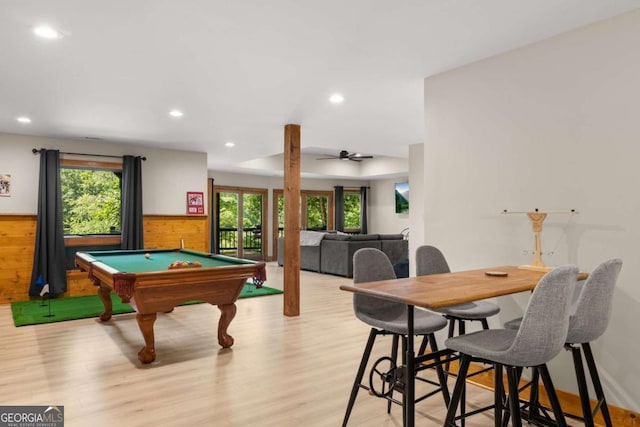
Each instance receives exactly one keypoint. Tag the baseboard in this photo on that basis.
(570, 402)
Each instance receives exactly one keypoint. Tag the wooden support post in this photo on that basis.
(291, 189)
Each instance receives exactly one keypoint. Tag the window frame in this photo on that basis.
(92, 239)
(353, 192)
(275, 193)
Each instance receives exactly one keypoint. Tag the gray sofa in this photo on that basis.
(334, 253)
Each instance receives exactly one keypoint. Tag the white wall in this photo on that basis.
(416, 202)
(167, 175)
(383, 218)
(552, 126)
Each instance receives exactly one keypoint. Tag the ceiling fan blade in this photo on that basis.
(345, 155)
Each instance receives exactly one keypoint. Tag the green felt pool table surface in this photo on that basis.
(160, 259)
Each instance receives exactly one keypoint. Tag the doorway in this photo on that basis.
(239, 220)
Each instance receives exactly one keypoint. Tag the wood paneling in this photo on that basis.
(17, 241)
(164, 231)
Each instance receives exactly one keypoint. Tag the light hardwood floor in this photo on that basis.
(280, 372)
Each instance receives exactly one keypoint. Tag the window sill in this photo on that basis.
(93, 240)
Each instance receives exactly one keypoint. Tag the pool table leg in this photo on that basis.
(145, 322)
(104, 292)
(228, 312)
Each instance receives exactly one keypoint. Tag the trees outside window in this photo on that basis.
(238, 225)
(316, 212)
(91, 199)
(351, 211)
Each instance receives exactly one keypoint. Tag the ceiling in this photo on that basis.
(241, 70)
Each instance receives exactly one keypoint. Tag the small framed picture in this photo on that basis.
(5, 184)
(195, 203)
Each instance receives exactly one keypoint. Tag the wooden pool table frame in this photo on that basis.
(160, 291)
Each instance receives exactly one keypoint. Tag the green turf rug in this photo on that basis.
(71, 308)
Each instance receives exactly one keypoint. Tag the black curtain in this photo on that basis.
(49, 265)
(339, 204)
(363, 211)
(132, 236)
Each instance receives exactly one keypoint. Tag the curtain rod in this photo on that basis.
(36, 151)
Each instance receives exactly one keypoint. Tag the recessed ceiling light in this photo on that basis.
(24, 119)
(47, 32)
(336, 98)
(176, 113)
(229, 144)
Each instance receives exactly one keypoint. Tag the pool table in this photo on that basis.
(143, 279)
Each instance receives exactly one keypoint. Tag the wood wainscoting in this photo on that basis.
(168, 231)
(17, 242)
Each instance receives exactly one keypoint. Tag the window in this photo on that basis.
(316, 212)
(91, 197)
(351, 211)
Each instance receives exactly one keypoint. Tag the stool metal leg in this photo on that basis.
(597, 385)
(514, 400)
(582, 386)
(442, 378)
(457, 391)
(359, 375)
(498, 394)
(394, 356)
(551, 394)
(534, 394)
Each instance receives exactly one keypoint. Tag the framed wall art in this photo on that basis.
(195, 203)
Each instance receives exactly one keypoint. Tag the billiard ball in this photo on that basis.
(147, 256)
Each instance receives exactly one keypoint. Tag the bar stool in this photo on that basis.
(539, 339)
(590, 316)
(430, 260)
(388, 318)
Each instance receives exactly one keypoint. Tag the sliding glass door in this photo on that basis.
(240, 214)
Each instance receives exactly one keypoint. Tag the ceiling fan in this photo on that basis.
(345, 155)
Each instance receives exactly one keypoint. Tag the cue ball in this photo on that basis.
(147, 256)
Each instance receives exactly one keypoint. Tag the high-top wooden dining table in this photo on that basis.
(442, 290)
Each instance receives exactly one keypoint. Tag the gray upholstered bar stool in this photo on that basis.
(388, 318)
(540, 338)
(430, 260)
(590, 314)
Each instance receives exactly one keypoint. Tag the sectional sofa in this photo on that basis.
(332, 253)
